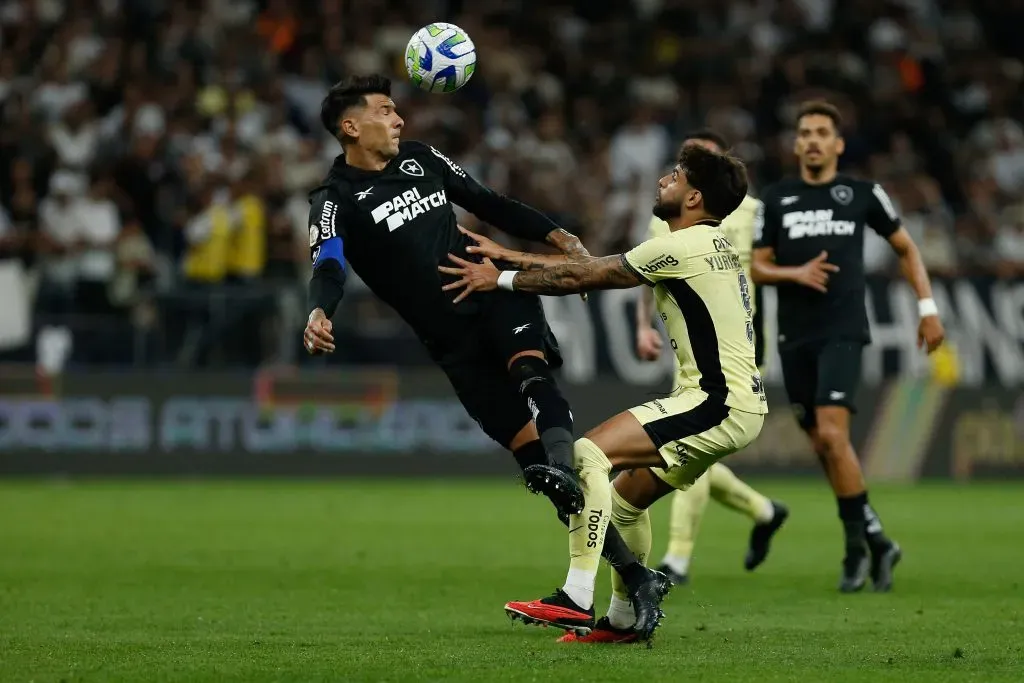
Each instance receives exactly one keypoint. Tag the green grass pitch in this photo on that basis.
(405, 581)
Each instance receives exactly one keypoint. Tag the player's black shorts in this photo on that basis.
(824, 373)
(478, 370)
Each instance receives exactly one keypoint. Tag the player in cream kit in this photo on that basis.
(703, 297)
(719, 483)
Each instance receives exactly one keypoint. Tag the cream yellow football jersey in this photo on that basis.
(704, 297)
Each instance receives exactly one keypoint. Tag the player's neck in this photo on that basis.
(366, 160)
(689, 220)
(818, 176)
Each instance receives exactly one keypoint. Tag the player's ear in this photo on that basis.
(840, 145)
(349, 127)
(693, 199)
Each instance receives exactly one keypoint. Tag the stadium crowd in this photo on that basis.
(155, 155)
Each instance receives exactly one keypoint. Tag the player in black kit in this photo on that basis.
(385, 209)
(809, 242)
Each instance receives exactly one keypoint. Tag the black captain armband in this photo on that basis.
(326, 287)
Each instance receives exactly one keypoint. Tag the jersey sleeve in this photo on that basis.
(660, 258)
(326, 231)
(766, 222)
(657, 228)
(327, 250)
(506, 214)
(882, 215)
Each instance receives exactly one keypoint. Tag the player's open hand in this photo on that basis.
(473, 277)
(815, 273)
(318, 337)
(930, 333)
(485, 247)
(648, 343)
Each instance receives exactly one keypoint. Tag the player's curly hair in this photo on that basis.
(720, 178)
(350, 92)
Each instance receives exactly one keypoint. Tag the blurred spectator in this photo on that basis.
(199, 123)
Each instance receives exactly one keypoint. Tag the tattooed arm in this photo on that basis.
(569, 244)
(607, 272)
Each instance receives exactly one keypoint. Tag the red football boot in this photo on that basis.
(556, 610)
(603, 632)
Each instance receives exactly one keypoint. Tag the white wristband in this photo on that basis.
(505, 279)
(927, 307)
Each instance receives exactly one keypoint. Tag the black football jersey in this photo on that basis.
(799, 221)
(394, 227)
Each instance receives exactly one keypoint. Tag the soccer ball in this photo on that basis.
(440, 58)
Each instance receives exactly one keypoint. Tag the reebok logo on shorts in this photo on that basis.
(517, 330)
(836, 395)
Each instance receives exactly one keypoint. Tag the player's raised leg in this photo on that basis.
(528, 451)
(768, 515)
(532, 375)
(517, 329)
(633, 492)
(619, 443)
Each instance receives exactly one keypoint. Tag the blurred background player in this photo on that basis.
(719, 482)
(810, 244)
(704, 298)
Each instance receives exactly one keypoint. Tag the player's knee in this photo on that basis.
(830, 440)
(587, 455)
(624, 513)
(528, 370)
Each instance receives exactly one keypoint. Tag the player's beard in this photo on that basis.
(666, 211)
(819, 166)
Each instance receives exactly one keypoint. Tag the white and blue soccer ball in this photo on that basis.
(440, 58)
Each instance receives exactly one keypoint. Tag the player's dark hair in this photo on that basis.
(720, 178)
(820, 108)
(707, 135)
(348, 93)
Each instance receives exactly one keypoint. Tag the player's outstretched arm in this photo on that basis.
(930, 333)
(506, 214)
(519, 260)
(607, 272)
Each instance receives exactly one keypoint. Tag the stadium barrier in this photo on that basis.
(408, 423)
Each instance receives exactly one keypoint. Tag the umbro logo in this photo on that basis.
(786, 201)
(364, 194)
(411, 167)
(521, 328)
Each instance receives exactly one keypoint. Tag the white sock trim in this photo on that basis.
(621, 613)
(579, 586)
(680, 565)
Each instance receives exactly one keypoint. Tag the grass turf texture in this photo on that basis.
(405, 581)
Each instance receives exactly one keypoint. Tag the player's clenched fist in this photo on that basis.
(930, 333)
(317, 337)
(815, 273)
